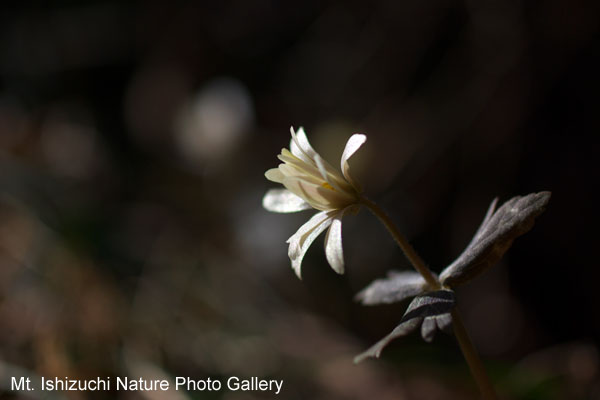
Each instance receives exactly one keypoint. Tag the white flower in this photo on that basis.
(311, 182)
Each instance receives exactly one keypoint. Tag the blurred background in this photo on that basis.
(133, 141)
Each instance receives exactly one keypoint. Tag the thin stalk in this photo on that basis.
(409, 251)
(467, 348)
(470, 354)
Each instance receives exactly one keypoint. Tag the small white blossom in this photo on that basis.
(311, 182)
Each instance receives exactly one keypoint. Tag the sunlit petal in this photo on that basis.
(274, 175)
(303, 238)
(352, 145)
(323, 170)
(284, 201)
(290, 171)
(300, 145)
(306, 191)
(333, 244)
(317, 196)
(291, 159)
(295, 148)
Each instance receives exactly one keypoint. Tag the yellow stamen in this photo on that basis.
(327, 186)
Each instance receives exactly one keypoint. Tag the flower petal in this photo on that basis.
(306, 191)
(290, 171)
(303, 238)
(300, 146)
(293, 161)
(333, 244)
(352, 145)
(274, 175)
(321, 165)
(316, 195)
(283, 201)
(331, 176)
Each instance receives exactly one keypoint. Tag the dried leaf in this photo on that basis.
(430, 310)
(396, 287)
(495, 236)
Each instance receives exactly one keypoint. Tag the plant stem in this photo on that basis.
(409, 251)
(469, 352)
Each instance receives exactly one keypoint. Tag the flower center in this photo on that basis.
(327, 186)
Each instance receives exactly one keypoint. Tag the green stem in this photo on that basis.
(467, 348)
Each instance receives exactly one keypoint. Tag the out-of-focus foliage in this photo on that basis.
(133, 142)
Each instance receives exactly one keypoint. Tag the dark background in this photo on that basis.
(133, 142)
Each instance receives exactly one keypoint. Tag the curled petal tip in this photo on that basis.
(298, 272)
(353, 144)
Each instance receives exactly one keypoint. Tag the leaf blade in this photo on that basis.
(424, 309)
(397, 286)
(495, 236)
